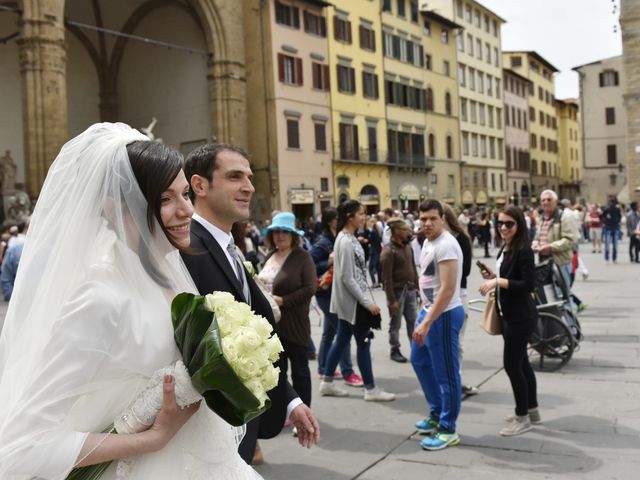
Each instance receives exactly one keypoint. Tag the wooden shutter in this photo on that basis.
(336, 28)
(347, 26)
(316, 73)
(356, 148)
(325, 78)
(293, 134)
(615, 75)
(298, 71)
(601, 79)
(352, 77)
(372, 40)
(343, 140)
(281, 67)
(365, 90)
(376, 91)
(363, 37)
(611, 155)
(295, 13)
(323, 26)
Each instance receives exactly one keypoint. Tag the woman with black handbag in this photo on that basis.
(352, 301)
(514, 283)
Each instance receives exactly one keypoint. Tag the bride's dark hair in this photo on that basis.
(155, 167)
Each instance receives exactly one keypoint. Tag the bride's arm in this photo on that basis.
(99, 448)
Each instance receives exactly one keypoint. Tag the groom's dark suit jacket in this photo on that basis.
(211, 271)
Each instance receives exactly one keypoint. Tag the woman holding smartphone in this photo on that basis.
(513, 282)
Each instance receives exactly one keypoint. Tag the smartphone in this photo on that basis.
(482, 266)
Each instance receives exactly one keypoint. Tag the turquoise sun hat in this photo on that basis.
(285, 221)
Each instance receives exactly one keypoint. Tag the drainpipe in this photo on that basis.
(266, 100)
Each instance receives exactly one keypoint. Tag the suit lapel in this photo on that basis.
(217, 255)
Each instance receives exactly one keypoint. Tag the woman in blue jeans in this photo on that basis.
(350, 289)
(322, 254)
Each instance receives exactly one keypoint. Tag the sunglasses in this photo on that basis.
(509, 224)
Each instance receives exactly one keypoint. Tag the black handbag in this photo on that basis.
(366, 319)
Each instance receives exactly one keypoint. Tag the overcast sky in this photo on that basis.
(566, 33)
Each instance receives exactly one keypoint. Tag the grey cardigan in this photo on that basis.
(346, 290)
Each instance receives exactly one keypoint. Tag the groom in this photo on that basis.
(221, 188)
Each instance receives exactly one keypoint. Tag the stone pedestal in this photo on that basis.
(16, 207)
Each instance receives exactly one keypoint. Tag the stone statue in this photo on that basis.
(8, 170)
(148, 131)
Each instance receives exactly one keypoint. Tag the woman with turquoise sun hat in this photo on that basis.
(290, 274)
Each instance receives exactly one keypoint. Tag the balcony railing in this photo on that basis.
(369, 156)
(410, 160)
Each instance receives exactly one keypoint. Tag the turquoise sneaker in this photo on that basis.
(427, 425)
(440, 440)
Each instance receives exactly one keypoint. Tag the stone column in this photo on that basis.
(42, 54)
(227, 90)
(630, 22)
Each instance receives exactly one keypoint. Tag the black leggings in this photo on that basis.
(300, 374)
(516, 364)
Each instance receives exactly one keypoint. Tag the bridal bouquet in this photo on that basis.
(229, 353)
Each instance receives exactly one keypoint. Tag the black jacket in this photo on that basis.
(211, 271)
(516, 302)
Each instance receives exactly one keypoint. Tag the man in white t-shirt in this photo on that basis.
(434, 351)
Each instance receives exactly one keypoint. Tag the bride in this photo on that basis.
(89, 321)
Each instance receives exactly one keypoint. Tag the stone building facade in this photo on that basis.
(630, 22)
(604, 121)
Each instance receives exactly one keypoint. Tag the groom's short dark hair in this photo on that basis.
(203, 160)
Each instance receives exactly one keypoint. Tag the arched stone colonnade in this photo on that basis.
(43, 60)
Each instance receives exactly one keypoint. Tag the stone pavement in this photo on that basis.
(590, 409)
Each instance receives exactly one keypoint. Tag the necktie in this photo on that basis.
(240, 271)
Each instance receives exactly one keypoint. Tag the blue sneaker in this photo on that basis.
(427, 425)
(440, 440)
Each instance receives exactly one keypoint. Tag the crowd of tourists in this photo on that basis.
(422, 260)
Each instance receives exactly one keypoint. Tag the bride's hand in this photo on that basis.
(171, 417)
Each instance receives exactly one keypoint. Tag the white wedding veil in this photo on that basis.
(90, 222)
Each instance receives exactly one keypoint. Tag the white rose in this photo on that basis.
(274, 347)
(219, 300)
(229, 351)
(269, 378)
(261, 325)
(246, 340)
(247, 368)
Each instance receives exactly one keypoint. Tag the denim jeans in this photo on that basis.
(329, 329)
(408, 307)
(611, 235)
(363, 342)
(437, 368)
(374, 268)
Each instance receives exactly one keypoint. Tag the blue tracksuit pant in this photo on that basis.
(437, 366)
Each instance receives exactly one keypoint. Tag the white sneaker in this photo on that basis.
(534, 417)
(517, 426)
(328, 389)
(377, 394)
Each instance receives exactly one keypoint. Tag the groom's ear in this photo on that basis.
(199, 185)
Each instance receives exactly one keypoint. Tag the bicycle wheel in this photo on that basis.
(551, 344)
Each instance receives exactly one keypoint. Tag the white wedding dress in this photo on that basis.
(110, 335)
